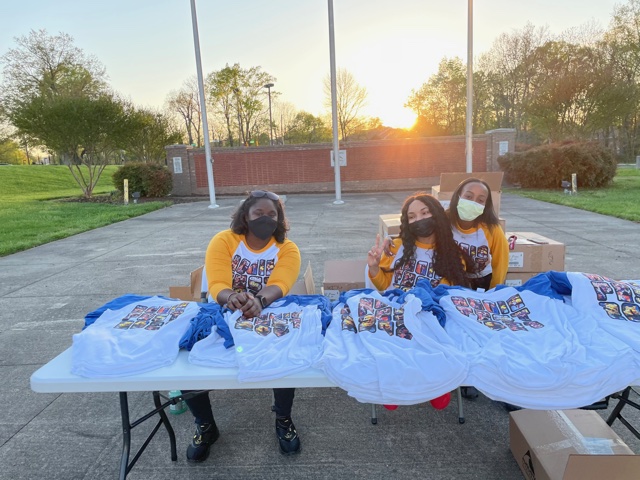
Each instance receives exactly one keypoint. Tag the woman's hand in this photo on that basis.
(246, 302)
(374, 256)
(252, 307)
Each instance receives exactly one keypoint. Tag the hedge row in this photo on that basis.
(148, 179)
(548, 165)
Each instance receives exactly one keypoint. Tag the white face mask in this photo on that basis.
(468, 210)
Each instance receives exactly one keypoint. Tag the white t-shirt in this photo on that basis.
(136, 338)
(381, 351)
(534, 351)
(281, 341)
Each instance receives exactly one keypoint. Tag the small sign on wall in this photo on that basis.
(342, 156)
(177, 164)
(503, 148)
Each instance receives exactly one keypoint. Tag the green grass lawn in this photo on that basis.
(621, 199)
(30, 215)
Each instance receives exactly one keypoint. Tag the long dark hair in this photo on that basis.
(448, 260)
(488, 216)
(239, 223)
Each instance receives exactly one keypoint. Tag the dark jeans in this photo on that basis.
(482, 282)
(200, 405)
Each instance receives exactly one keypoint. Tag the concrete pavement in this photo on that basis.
(46, 291)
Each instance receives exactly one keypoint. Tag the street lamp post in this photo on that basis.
(268, 87)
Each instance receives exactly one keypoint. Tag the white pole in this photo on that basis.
(469, 129)
(334, 106)
(203, 108)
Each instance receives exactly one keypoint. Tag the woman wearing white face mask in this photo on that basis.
(477, 231)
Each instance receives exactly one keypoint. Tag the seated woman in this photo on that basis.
(248, 267)
(425, 249)
(476, 229)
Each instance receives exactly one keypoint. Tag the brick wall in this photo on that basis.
(375, 165)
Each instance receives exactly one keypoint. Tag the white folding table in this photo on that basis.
(56, 377)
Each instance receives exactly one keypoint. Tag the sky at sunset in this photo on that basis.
(391, 47)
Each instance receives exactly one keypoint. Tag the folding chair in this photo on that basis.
(204, 288)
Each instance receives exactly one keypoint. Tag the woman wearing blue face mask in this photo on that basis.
(477, 231)
(249, 266)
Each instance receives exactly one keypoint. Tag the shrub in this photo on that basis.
(546, 166)
(148, 179)
(158, 182)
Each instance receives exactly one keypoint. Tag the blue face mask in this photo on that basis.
(468, 211)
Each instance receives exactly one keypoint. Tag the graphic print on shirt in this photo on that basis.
(278, 323)
(406, 277)
(479, 254)
(250, 276)
(374, 314)
(512, 314)
(619, 300)
(150, 318)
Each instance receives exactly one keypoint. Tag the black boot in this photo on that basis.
(288, 438)
(205, 436)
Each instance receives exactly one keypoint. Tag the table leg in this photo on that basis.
(126, 435)
(167, 424)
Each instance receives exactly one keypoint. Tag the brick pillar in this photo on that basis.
(181, 167)
(501, 141)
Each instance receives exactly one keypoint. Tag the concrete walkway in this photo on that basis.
(46, 291)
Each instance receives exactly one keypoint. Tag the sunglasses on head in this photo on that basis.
(264, 193)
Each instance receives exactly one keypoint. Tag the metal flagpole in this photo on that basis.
(203, 108)
(469, 130)
(334, 107)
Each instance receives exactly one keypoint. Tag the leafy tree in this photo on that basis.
(441, 101)
(238, 95)
(10, 152)
(307, 128)
(510, 66)
(623, 40)
(351, 98)
(150, 132)
(85, 131)
(48, 65)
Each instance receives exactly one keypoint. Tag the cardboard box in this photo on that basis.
(342, 275)
(517, 279)
(569, 445)
(193, 293)
(389, 225)
(535, 253)
(305, 286)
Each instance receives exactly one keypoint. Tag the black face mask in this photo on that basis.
(423, 228)
(263, 227)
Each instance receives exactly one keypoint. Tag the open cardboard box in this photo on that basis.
(342, 275)
(569, 445)
(193, 292)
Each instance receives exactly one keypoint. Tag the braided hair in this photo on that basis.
(448, 260)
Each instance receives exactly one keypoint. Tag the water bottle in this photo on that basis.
(180, 406)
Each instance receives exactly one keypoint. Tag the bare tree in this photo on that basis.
(351, 98)
(186, 104)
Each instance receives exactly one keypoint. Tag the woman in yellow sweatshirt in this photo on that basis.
(477, 231)
(248, 267)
